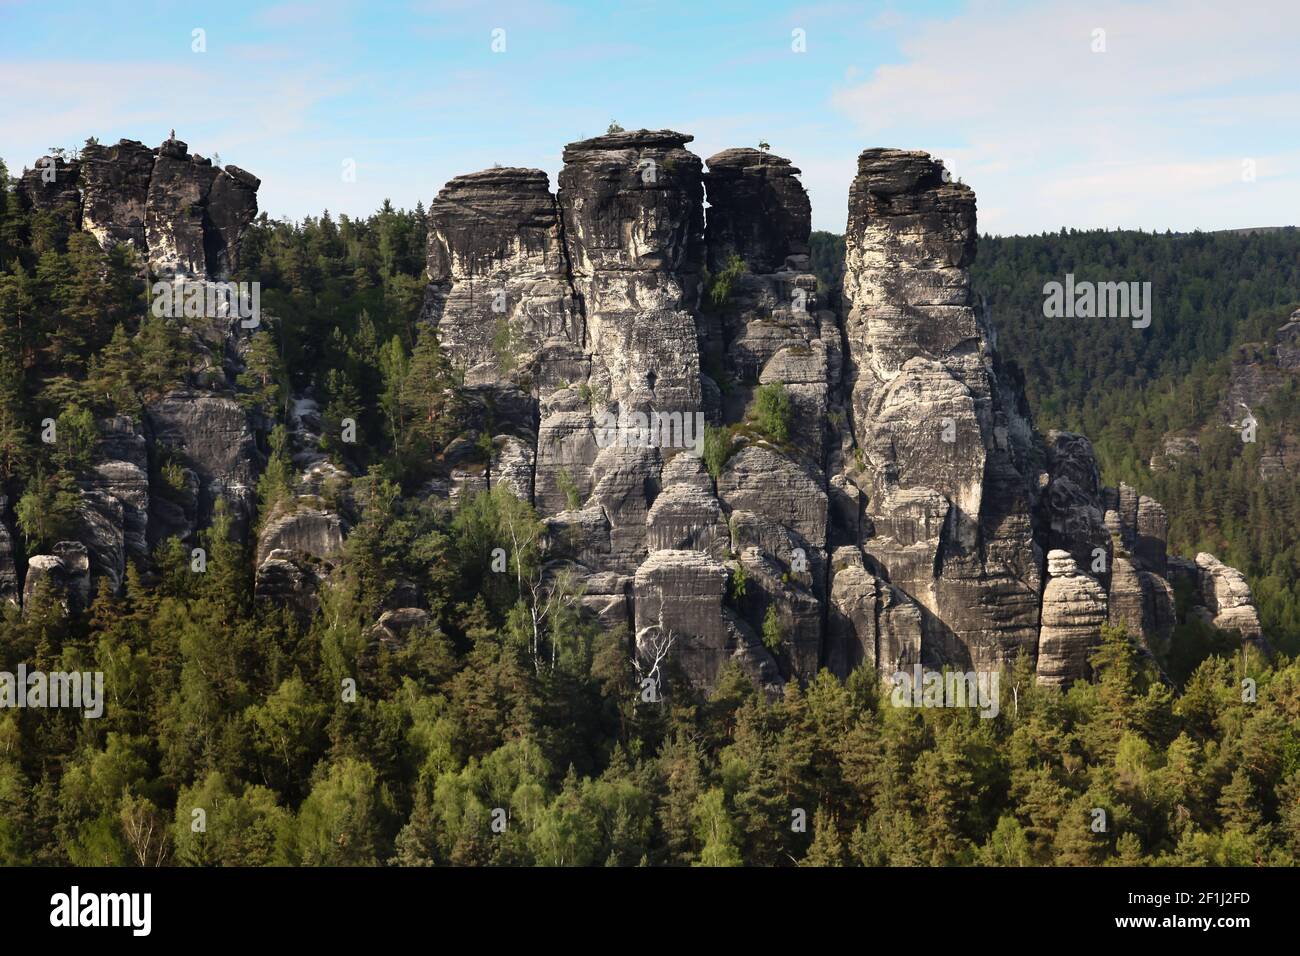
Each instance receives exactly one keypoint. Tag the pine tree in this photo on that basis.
(112, 376)
(47, 509)
(263, 377)
(424, 395)
(827, 847)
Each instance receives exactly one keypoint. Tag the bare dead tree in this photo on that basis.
(650, 654)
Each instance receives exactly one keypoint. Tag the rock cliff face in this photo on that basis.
(182, 214)
(912, 515)
(943, 453)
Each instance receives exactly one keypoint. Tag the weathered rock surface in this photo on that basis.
(499, 279)
(51, 188)
(1074, 608)
(65, 572)
(209, 436)
(291, 579)
(679, 599)
(395, 627)
(757, 209)
(944, 452)
(911, 453)
(306, 530)
(184, 216)
(1226, 597)
(115, 190)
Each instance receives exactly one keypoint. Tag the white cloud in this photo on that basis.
(1150, 132)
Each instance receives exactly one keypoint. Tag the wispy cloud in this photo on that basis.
(1152, 131)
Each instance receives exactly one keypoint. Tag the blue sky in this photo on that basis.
(1189, 118)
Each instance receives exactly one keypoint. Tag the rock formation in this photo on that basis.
(911, 515)
(183, 215)
(1074, 608)
(161, 474)
(943, 465)
(909, 518)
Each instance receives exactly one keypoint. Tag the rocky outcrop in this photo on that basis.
(1226, 597)
(903, 517)
(184, 216)
(499, 288)
(1074, 609)
(63, 575)
(910, 456)
(296, 553)
(394, 628)
(159, 475)
(758, 210)
(306, 530)
(870, 622)
(582, 303)
(51, 188)
(113, 517)
(680, 609)
(207, 439)
(115, 191)
(943, 450)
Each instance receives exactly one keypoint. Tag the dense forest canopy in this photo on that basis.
(483, 740)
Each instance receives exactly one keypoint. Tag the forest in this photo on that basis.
(304, 742)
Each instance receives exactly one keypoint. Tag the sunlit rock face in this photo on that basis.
(1074, 608)
(907, 516)
(942, 448)
(184, 216)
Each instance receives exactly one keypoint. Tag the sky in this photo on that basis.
(1169, 114)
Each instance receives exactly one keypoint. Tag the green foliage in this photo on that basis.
(426, 400)
(75, 434)
(506, 346)
(47, 509)
(738, 582)
(276, 486)
(715, 831)
(773, 633)
(569, 488)
(826, 253)
(717, 449)
(719, 287)
(772, 412)
(264, 380)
